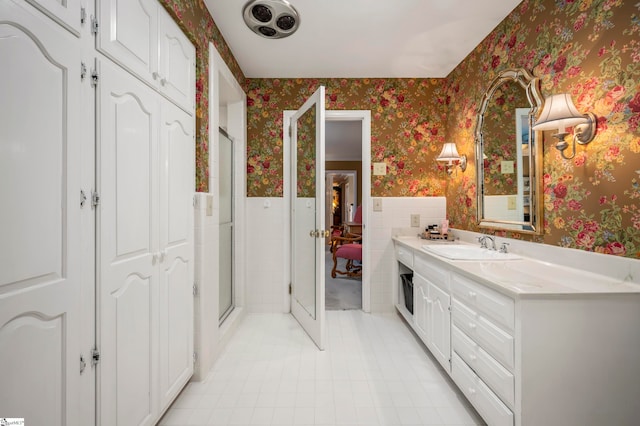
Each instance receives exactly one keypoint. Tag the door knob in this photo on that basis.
(326, 233)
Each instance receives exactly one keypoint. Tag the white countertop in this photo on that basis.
(527, 277)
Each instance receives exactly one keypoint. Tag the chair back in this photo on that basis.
(357, 218)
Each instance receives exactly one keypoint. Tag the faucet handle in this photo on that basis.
(503, 247)
(483, 241)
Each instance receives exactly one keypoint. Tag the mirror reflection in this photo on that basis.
(508, 157)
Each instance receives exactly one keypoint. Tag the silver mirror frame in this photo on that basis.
(531, 85)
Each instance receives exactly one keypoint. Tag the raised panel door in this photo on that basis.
(65, 12)
(439, 323)
(128, 34)
(177, 154)
(40, 228)
(128, 119)
(177, 63)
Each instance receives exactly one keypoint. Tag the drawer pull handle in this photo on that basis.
(472, 294)
(472, 326)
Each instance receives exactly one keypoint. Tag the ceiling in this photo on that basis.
(363, 38)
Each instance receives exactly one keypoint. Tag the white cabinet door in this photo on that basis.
(128, 34)
(177, 153)
(439, 325)
(127, 120)
(40, 232)
(177, 65)
(65, 12)
(420, 302)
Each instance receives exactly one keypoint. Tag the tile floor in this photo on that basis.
(373, 372)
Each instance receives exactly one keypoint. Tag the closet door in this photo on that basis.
(127, 120)
(66, 12)
(39, 219)
(177, 183)
(177, 65)
(128, 34)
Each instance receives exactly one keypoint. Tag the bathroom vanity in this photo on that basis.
(527, 341)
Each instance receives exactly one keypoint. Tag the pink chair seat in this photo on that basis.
(350, 251)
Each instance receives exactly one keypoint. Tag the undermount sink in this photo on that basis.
(467, 252)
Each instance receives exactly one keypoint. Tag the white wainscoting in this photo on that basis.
(267, 261)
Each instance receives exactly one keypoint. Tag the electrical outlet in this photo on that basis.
(511, 203)
(209, 205)
(415, 220)
(377, 204)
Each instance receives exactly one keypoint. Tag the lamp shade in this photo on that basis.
(449, 152)
(559, 112)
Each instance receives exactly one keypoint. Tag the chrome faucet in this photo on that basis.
(483, 242)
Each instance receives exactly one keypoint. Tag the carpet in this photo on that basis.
(341, 293)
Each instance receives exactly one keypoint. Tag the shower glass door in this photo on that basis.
(225, 165)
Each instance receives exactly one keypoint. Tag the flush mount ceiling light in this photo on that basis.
(271, 18)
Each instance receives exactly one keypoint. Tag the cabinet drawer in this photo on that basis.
(491, 338)
(489, 302)
(492, 410)
(483, 364)
(404, 255)
(429, 270)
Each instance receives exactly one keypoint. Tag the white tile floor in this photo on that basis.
(373, 372)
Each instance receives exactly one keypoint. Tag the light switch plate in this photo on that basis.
(415, 220)
(511, 203)
(379, 169)
(377, 204)
(506, 167)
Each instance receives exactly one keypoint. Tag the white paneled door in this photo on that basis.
(128, 117)
(39, 219)
(307, 217)
(177, 180)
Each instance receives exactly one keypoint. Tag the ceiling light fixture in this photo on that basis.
(271, 18)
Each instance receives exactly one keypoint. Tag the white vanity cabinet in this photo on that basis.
(434, 323)
(483, 346)
(559, 352)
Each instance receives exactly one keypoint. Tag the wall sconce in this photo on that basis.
(450, 153)
(559, 112)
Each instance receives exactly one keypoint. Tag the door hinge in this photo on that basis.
(83, 198)
(83, 71)
(83, 364)
(290, 288)
(95, 199)
(94, 78)
(195, 357)
(83, 14)
(195, 289)
(95, 356)
(94, 25)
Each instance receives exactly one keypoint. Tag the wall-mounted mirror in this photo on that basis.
(509, 154)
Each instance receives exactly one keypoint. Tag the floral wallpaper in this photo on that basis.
(407, 130)
(590, 49)
(196, 22)
(499, 135)
(306, 154)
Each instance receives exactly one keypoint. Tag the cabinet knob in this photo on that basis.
(472, 391)
(472, 294)
(472, 357)
(163, 81)
(155, 75)
(472, 325)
